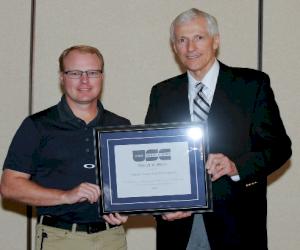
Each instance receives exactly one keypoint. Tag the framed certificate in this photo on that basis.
(153, 168)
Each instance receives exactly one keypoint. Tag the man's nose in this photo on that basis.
(191, 45)
(84, 76)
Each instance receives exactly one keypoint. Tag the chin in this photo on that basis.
(194, 66)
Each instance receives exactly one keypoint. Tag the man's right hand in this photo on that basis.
(176, 215)
(84, 192)
(19, 187)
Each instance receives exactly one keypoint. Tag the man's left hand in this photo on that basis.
(171, 216)
(115, 219)
(218, 165)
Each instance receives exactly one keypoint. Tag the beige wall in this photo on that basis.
(133, 36)
(281, 60)
(14, 77)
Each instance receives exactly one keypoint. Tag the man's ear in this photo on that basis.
(216, 42)
(61, 80)
(174, 47)
(61, 76)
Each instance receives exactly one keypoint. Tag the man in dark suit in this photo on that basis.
(247, 140)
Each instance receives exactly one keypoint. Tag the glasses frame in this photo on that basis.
(81, 72)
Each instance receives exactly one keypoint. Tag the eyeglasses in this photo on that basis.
(76, 74)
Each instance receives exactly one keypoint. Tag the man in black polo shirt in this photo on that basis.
(51, 163)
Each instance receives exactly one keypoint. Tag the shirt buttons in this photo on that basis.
(87, 140)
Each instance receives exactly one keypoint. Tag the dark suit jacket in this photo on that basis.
(244, 124)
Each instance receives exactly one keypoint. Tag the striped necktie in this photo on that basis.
(198, 238)
(200, 105)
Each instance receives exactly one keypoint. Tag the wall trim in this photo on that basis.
(30, 108)
(260, 35)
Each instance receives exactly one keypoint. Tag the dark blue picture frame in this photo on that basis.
(107, 138)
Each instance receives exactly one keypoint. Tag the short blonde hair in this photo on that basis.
(81, 48)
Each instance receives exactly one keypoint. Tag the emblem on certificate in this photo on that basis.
(153, 168)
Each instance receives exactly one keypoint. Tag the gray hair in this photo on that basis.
(212, 24)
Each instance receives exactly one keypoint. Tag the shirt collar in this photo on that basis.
(66, 114)
(209, 80)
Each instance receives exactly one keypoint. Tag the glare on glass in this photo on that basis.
(76, 74)
(195, 133)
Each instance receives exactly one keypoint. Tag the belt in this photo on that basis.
(89, 228)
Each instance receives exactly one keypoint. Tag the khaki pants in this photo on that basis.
(51, 238)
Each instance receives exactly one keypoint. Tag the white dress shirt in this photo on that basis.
(210, 82)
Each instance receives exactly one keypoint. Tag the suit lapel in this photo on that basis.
(224, 121)
(177, 103)
(183, 101)
(219, 99)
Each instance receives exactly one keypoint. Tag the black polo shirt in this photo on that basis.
(57, 149)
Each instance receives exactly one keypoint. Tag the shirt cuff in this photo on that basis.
(235, 178)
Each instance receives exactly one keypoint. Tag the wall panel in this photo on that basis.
(281, 61)
(133, 36)
(14, 82)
